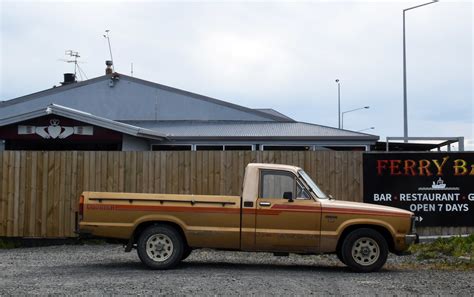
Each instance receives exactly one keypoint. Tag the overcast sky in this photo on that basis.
(267, 54)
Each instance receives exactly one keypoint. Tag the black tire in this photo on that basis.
(165, 247)
(339, 255)
(186, 253)
(364, 250)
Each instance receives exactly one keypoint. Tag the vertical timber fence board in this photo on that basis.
(30, 220)
(3, 195)
(23, 194)
(44, 190)
(39, 190)
(72, 192)
(9, 192)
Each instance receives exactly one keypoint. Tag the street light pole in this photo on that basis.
(405, 109)
(355, 109)
(338, 104)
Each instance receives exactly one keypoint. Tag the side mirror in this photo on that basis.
(330, 197)
(288, 196)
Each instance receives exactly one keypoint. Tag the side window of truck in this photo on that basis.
(274, 183)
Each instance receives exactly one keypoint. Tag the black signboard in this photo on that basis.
(438, 187)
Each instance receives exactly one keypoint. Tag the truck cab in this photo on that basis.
(280, 210)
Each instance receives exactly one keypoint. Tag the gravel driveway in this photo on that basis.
(106, 269)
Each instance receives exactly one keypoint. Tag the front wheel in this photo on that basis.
(364, 250)
(160, 247)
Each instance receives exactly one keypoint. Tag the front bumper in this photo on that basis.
(411, 239)
(413, 236)
(407, 240)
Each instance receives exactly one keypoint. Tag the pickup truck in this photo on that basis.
(281, 210)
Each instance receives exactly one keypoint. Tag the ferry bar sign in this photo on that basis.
(437, 187)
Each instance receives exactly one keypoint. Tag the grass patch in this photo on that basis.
(454, 247)
(446, 253)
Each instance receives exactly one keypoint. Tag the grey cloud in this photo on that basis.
(280, 55)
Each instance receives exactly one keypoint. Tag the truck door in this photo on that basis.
(287, 216)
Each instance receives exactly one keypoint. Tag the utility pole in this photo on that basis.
(338, 104)
(405, 108)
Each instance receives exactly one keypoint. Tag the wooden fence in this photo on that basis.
(39, 190)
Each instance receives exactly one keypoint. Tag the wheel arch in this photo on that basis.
(384, 231)
(145, 223)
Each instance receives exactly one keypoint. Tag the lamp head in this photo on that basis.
(337, 80)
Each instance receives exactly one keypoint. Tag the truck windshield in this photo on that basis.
(316, 190)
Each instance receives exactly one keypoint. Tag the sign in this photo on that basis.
(437, 187)
(55, 130)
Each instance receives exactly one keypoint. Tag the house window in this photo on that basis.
(238, 147)
(287, 148)
(346, 148)
(209, 147)
(160, 147)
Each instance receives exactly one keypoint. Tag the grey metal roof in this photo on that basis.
(275, 116)
(275, 113)
(241, 129)
(86, 118)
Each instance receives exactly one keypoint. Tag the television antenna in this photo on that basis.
(77, 69)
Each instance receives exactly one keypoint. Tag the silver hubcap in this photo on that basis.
(365, 251)
(159, 247)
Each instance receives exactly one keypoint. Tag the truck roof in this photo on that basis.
(275, 166)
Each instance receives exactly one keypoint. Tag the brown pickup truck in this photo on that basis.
(281, 211)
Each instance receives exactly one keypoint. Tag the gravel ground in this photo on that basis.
(106, 269)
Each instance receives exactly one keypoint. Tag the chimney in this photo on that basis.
(108, 70)
(69, 78)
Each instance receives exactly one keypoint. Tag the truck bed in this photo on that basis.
(207, 220)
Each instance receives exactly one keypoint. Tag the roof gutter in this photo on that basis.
(333, 138)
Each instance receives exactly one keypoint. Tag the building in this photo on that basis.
(119, 112)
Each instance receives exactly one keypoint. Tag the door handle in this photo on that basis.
(264, 203)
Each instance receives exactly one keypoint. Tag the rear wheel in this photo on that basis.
(186, 253)
(160, 247)
(364, 250)
(339, 255)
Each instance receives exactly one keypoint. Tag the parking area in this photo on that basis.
(106, 269)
